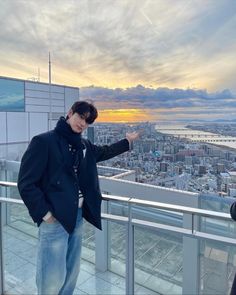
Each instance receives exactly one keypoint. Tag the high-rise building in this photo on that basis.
(201, 169)
(90, 133)
(163, 166)
(220, 168)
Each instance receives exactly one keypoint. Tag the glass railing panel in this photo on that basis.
(88, 244)
(217, 267)
(158, 261)
(117, 208)
(218, 227)
(19, 261)
(147, 213)
(158, 253)
(157, 215)
(20, 254)
(3, 152)
(117, 248)
(215, 203)
(19, 219)
(12, 192)
(17, 216)
(15, 151)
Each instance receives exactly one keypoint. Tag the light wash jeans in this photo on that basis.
(58, 260)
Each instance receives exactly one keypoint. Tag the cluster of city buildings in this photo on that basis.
(172, 161)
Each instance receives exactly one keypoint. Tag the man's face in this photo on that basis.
(77, 122)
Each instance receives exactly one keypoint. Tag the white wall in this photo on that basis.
(71, 95)
(39, 95)
(148, 192)
(17, 127)
(38, 123)
(20, 127)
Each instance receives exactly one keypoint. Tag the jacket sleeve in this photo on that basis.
(33, 165)
(106, 152)
(233, 211)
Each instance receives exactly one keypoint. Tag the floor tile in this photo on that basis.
(97, 286)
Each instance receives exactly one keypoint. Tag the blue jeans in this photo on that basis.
(58, 260)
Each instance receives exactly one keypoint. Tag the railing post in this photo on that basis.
(130, 254)
(1, 253)
(191, 263)
(101, 246)
(2, 194)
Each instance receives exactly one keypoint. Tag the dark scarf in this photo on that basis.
(73, 139)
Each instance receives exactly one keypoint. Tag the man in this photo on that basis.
(58, 183)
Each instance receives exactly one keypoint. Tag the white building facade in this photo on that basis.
(28, 108)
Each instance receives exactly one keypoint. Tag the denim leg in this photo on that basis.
(73, 257)
(51, 263)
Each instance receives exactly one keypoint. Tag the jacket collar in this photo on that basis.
(64, 149)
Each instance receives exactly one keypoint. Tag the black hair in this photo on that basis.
(86, 109)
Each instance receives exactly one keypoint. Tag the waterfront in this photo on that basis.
(182, 131)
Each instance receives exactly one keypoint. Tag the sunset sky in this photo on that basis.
(138, 60)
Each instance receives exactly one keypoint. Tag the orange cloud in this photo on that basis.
(123, 115)
(131, 115)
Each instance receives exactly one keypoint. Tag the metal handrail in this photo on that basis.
(8, 183)
(169, 207)
(153, 204)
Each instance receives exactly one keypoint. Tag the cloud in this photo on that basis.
(146, 98)
(175, 44)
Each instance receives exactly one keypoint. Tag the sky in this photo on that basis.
(137, 60)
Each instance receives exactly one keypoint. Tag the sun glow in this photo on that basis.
(123, 115)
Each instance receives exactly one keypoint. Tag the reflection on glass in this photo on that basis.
(88, 250)
(117, 248)
(217, 267)
(20, 253)
(158, 261)
(18, 215)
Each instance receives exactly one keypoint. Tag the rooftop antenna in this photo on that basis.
(50, 98)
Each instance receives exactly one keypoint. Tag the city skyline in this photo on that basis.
(147, 60)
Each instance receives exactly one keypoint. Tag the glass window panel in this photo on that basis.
(11, 95)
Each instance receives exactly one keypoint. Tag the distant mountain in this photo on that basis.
(207, 121)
